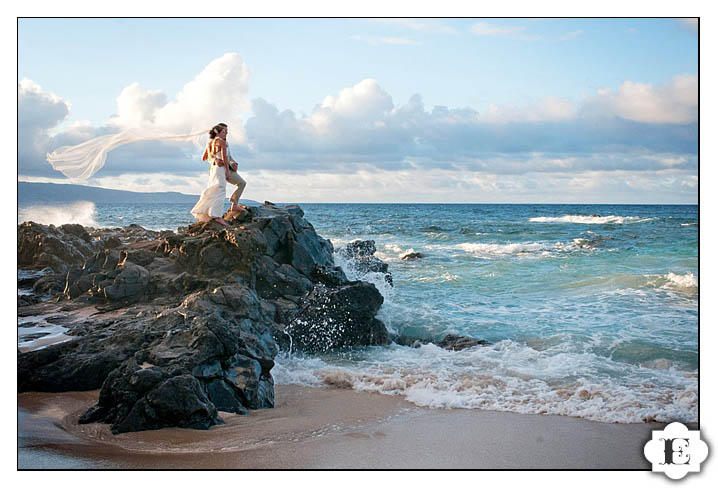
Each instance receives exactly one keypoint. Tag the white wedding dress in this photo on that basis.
(211, 202)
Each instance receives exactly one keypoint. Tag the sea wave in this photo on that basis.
(523, 249)
(675, 281)
(684, 284)
(494, 249)
(594, 219)
(509, 376)
(80, 212)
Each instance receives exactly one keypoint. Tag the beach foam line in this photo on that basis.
(581, 219)
(510, 376)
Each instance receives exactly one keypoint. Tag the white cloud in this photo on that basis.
(673, 103)
(217, 94)
(360, 135)
(38, 112)
(547, 109)
(499, 30)
(137, 107)
(360, 105)
(372, 184)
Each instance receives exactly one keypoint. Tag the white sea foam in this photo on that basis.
(510, 376)
(580, 219)
(80, 212)
(435, 279)
(678, 281)
(390, 252)
(348, 265)
(494, 249)
(498, 250)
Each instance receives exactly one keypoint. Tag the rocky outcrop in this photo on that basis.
(57, 248)
(360, 257)
(177, 327)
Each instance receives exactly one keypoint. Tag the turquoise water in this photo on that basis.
(592, 310)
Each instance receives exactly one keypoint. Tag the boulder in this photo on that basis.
(41, 246)
(413, 256)
(338, 317)
(448, 342)
(360, 257)
(184, 325)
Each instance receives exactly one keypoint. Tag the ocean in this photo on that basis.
(591, 310)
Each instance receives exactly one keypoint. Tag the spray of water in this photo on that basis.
(80, 212)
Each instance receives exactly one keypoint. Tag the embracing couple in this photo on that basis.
(223, 169)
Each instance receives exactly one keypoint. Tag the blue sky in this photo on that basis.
(408, 110)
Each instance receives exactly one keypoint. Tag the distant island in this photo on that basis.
(53, 193)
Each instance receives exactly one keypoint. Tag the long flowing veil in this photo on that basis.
(85, 159)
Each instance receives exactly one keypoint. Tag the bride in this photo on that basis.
(85, 159)
(210, 206)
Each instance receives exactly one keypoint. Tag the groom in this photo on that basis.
(235, 179)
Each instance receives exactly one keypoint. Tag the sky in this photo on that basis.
(479, 110)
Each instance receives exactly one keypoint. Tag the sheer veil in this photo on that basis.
(85, 159)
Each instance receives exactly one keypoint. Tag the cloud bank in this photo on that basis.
(635, 132)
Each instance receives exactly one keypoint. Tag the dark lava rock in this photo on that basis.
(413, 256)
(448, 342)
(455, 342)
(339, 317)
(175, 327)
(360, 257)
(40, 246)
(27, 300)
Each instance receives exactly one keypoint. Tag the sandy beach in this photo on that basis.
(328, 428)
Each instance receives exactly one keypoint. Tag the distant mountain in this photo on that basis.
(53, 193)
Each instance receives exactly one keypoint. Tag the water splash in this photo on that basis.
(80, 212)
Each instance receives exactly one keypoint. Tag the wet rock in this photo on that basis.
(339, 317)
(41, 246)
(180, 401)
(360, 257)
(456, 342)
(449, 342)
(27, 300)
(413, 256)
(182, 325)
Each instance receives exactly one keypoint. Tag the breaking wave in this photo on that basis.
(595, 219)
(510, 376)
(80, 212)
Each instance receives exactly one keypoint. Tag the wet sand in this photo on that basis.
(332, 428)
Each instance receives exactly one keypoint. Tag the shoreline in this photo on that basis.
(329, 428)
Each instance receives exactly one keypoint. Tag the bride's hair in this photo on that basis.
(216, 130)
